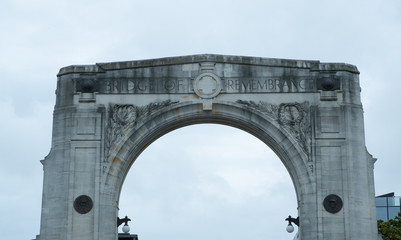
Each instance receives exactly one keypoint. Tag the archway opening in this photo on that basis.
(208, 181)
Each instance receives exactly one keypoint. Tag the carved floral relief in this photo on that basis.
(123, 117)
(292, 117)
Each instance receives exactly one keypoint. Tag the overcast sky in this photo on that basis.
(205, 181)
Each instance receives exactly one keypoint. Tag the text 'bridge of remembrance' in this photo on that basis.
(309, 113)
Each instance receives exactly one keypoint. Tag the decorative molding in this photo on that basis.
(292, 117)
(123, 117)
(207, 85)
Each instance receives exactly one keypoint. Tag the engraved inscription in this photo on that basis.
(206, 83)
(144, 85)
(276, 84)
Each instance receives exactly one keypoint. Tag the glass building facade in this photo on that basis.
(387, 206)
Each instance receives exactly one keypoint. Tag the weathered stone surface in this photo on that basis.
(309, 112)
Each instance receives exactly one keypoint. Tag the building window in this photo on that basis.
(387, 206)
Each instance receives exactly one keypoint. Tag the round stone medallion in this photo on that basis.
(333, 203)
(83, 204)
(207, 85)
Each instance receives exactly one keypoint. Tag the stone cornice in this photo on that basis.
(270, 62)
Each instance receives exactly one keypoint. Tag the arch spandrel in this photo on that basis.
(268, 127)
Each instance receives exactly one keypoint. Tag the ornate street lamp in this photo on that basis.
(290, 220)
(126, 235)
(126, 228)
(123, 220)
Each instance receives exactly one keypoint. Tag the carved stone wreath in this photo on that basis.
(293, 117)
(123, 117)
(290, 114)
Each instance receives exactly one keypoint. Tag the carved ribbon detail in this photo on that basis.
(293, 117)
(123, 117)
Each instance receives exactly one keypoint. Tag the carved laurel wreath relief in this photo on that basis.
(292, 117)
(123, 117)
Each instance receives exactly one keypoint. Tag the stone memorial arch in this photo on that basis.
(309, 113)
